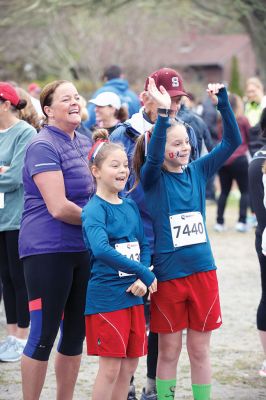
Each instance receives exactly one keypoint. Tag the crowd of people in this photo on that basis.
(103, 227)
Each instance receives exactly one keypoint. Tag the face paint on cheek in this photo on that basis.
(174, 155)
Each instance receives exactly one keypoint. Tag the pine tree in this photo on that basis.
(234, 85)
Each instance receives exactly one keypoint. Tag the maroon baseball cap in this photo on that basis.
(170, 80)
(8, 92)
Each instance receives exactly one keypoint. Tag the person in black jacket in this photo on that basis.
(257, 194)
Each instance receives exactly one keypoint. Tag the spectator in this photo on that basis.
(57, 184)
(235, 168)
(256, 100)
(109, 111)
(114, 81)
(14, 136)
(256, 139)
(257, 196)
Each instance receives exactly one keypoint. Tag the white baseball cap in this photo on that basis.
(107, 99)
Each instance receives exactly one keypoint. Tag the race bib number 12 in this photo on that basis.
(187, 229)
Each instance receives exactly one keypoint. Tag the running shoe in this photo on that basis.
(13, 353)
(132, 393)
(148, 396)
(262, 371)
(219, 227)
(252, 221)
(241, 227)
(6, 343)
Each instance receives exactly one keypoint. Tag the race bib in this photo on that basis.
(131, 250)
(2, 200)
(187, 228)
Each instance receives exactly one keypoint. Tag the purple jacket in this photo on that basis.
(53, 150)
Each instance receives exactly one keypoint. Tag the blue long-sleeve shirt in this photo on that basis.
(168, 194)
(104, 226)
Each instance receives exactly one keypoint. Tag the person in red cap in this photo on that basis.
(14, 137)
(34, 90)
(170, 79)
(128, 133)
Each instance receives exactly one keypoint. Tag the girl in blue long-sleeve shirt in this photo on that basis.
(188, 295)
(113, 232)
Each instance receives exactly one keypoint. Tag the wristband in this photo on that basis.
(164, 112)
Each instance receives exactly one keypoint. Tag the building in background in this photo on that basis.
(208, 58)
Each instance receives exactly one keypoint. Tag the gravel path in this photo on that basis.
(236, 351)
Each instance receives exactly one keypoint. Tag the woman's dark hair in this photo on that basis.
(21, 104)
(122, 114)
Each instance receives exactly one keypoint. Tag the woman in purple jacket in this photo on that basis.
(57, 184)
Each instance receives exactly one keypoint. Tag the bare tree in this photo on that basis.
(251, 14)
(78, 38)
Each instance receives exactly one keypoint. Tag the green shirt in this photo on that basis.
(13, 142)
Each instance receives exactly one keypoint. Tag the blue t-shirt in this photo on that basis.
(169, 194)
(105, 226)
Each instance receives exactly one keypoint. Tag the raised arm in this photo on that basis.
(151, 169)
(231, 135)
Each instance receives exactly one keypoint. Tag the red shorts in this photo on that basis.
(189, 302)
(119, 333)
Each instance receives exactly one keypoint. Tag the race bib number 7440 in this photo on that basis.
(187, 228)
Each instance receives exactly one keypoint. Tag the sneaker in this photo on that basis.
(252, 221)
(241, 227)
(132, 393)
(149, 396)
(262, 371)
(13, 353)
(5, 344)
(219, 227)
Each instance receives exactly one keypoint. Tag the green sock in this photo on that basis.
(165, 388)
(201, 392)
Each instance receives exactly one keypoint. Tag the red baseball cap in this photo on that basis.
(34, 86)
(8, 92)
(170, 80)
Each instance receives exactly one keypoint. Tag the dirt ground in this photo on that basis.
(236, 351)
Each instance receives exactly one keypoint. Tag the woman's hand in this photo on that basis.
(213, 89)
(153, 287)
(161, 97)
(137, 288)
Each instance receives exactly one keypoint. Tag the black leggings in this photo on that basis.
(152, 355)
(237, 171)
(261, 312)
(12, 276)
(56, 285)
